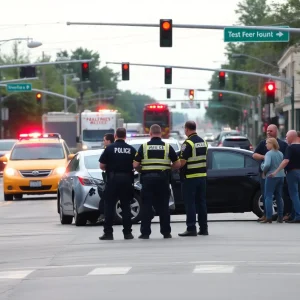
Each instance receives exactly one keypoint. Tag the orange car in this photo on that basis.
(35, 165)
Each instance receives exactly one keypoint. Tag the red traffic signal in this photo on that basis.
(38, 97)
(166, 35)
(191, 94)
(222, 79)
(270, 89)
(125, 71)
(220, 97)
(168, 75)
(85, 71)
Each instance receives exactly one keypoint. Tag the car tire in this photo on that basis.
(64, 219)
(8, 197)
(79, 219)
(258, 207)
(136, 205)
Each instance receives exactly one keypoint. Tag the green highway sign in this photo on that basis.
(18, 87)
(244, 35)
(212, 104)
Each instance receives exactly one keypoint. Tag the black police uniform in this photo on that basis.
(155, 158)
(118, 158)
(193, 175)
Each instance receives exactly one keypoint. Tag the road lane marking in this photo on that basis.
(110, 271)
(21, 274)
(213, 269)
(6, 203)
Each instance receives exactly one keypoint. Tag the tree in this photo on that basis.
(254, 12)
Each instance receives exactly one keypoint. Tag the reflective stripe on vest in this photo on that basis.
(156, 164)
(196, 162)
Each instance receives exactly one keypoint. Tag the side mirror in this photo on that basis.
(3, 159)
(70, 156)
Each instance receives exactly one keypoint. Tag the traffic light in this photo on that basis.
(125, 71)
(220, 97)
(168, 93)
(38, 97)
(221, 79)
(191, 94)
(85, 71)
(166, 35)
(168, 75)
(28, 72)
(270, 89)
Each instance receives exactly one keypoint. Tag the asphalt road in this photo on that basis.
(241, 259)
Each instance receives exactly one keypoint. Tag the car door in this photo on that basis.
(232, 179)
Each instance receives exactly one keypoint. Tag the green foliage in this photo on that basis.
(259, 13)
(24, 109)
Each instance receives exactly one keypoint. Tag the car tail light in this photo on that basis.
(89, 181)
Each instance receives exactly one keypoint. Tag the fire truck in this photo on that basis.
(157, 114)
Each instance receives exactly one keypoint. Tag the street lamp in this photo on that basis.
(30, 42)
(239, 55)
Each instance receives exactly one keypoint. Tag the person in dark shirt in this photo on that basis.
(117, 161)
(259, 155)
(291, 163)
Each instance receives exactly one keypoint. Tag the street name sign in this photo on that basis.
(18, 87)
(212, 104)
(244, 35)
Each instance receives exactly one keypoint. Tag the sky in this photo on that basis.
(46, 22)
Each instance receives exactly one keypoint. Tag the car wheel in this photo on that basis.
(79, 219)
(64, 220)
(8, 197)
(135, 206)
(258, 206)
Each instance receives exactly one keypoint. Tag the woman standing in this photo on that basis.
(273, 185)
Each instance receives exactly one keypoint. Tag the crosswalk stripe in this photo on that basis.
(110, 271)
(15, 274)
(213, 269)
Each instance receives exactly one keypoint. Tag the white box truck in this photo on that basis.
(94, 125)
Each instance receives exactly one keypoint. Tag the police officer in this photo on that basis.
(116, 160)
(193, 174)
(107, 140)
(155, 159)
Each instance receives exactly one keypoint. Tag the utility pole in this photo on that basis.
(44, 97)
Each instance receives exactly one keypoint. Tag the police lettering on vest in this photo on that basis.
(194, 151)
(123, 150)
(155, 156)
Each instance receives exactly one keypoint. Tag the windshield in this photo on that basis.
(6, 146)
(37, 151)
(156, 117)
(174, 145)
(92, 161)
(95, 135)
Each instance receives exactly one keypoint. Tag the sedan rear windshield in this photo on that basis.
(91, 162)
(36, 151)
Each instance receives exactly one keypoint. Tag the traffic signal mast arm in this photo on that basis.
(268, 76)
(190, 26)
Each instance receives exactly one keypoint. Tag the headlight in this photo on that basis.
(84, 147)
(60, 170)
(10, 171)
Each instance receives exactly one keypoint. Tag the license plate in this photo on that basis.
(35, 183)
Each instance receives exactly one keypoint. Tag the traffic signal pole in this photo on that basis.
(18, 80)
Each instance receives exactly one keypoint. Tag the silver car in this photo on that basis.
(80, 188)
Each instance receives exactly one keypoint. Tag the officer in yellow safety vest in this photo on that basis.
(154, 159)
(193, 175)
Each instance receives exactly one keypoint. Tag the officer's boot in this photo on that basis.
(203, 232)
(106, 237)
(128, 236)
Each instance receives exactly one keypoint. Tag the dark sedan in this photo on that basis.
(232, 183)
